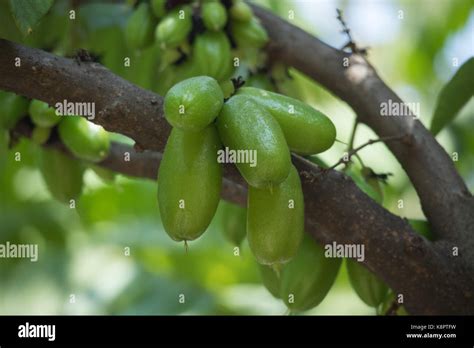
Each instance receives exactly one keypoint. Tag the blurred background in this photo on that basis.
(110, 255)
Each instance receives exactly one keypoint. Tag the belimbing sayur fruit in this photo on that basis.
(189, 183)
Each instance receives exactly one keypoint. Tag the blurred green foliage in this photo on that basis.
(111, 255)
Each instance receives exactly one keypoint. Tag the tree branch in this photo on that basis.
(445, 199)
(335, 209)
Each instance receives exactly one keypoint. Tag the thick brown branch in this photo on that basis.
(444, 196)
(336, 210)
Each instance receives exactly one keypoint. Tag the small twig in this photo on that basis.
(392, 310)
(351, 43)
(346, 159)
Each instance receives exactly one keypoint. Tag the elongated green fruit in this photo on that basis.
(40, 135)
(42, 114)
(240, 11)
(372, 189)
(214, 15)
(234, 223)
(194, 103)
(307, 131)
(212, 55)
(158, 7)
(84, 139)
(174, 27)
(249, 34)
(422, 227)
(367, 285)
(307, 279)
(275, 220)
(12, 108)
(62, 175)
(140, 27)
(270, 280)
(244, 125)
(4, 141)
(189, 183)
(260, 81)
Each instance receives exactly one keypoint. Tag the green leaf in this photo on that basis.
(453, 96)
(27, 13)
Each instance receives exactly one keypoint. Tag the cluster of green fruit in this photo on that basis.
(85, 140)
(197, 38)
(190, 177)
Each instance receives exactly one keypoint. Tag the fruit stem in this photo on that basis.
(186, 246)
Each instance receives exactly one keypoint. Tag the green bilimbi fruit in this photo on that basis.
(227, 87)
(174, 27)
(42, 114)
(367, 285)
(234, 223)
(260, 81)
(189, 183)
(275, 221)
(194, 103)
(40, 135)
(106, 175)
(240, 11)
(12, 108)
(308, 277)
(158, 7)
(140, 27)
(249, 34)
(270, 280)
(422, 227)
(214, 15)
(62, 175)
(212, 55)
(370, 190)
(307, 131)
(4, 141)
(371, 179)
(244, 125)
(84, 139)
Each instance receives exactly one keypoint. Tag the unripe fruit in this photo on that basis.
(62, 175)
(189, 183)
(275, 220)
(260, 81)
(371, 179)
(211, 54)
(270, 280)
(244, 125)
(367, 285)
(42, 114)
(307, 279)
(174, 27)
(84, 139)
(249, 34)
(364, 186)
(140, 26)
(240, 11)
(106, 175)
(422, 227)
(214, 15)
(158, 7)
(13, 107)
(307, 131)
(227, 87)
(4, 141)
(194, 103)
(234, 222)
(40, 135)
